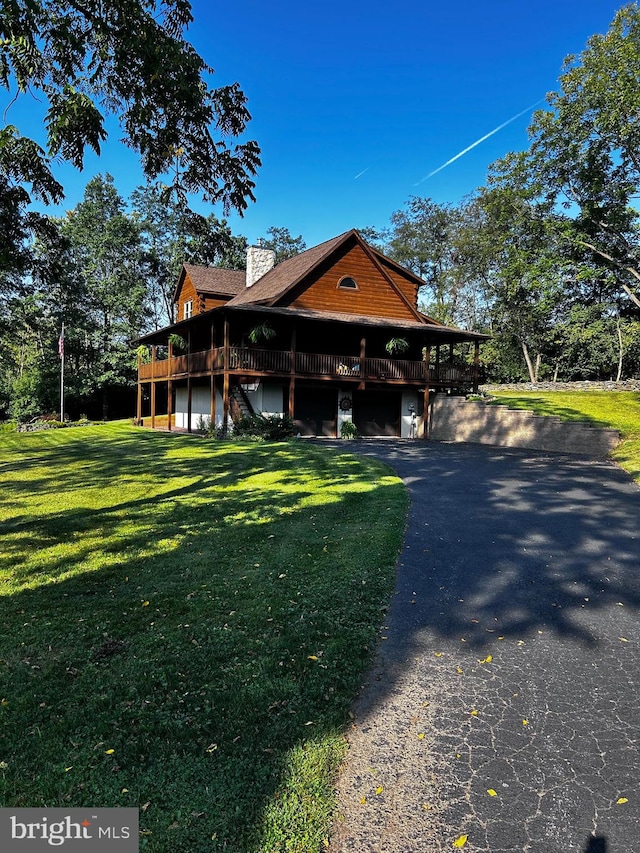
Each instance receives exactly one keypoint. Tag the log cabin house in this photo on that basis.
(333, 334)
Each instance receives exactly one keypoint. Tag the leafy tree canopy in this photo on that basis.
(585, 149)
(127, 58)
(173, 235)
(283, 243)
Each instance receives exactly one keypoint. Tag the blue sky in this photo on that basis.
(354, 104)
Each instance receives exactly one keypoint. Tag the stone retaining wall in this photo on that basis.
(625, 385)
(457, 419)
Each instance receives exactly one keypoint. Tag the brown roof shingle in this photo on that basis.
(216, 280)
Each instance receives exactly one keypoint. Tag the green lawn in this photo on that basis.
(184, 625)
(617, 409)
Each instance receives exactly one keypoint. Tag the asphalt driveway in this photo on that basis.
(503, 710)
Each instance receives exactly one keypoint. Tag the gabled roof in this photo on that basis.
(274, 285)
(285, 275)
(212, 280)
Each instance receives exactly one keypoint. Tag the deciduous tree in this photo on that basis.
(127, 59)
(106, 258)
(586, 148)
(173, 235)
(283, 243)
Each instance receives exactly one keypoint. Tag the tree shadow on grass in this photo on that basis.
(217, 627)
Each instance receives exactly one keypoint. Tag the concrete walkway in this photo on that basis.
(504, 704)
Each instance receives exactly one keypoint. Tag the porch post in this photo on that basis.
(476, 366)
(189, 393)
(212, 401)
(425, 416)
(363, 348)
(153, 386)
(225, 377)
(169, 387)
(139, 398)
(292, 374)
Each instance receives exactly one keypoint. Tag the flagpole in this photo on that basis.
(61, 353)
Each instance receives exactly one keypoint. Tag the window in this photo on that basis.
(188, 309)
(347, 283)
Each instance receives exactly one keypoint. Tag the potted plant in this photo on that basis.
(348, 430)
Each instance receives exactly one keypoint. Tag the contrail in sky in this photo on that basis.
(477, 142)
(360, 174)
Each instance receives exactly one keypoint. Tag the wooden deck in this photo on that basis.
(249, 361)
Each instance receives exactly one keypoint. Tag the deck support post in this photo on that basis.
(425, 416)
(154, 351)
(189, 396)
(225, 378)
(292, 375)
(169, 388)
(139, 395)
(212, 380)
(476, 366)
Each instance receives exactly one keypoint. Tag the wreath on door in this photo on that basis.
(345, 404)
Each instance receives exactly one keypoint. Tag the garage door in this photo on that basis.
(315, 411)
(377, 412)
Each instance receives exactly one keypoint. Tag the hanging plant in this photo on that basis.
(178, 342)
(144, 354)
(397, 345)
(261, 333)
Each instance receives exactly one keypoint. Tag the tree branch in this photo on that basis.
(618, 265)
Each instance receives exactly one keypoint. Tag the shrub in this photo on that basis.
(265, 427)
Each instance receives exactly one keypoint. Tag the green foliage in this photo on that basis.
(178, 343)
(105, 258)
(184, 626)
(348, 430)
(173, 235)
(395, 346)
(26, 396)
(88, 63)
(263, 332)
(264, 427)
(283, 243)
(584, 149)
(168, 118)
(422, 238)
(144, 354)
(34, 391)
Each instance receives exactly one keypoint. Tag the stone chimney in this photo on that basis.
(259, 262)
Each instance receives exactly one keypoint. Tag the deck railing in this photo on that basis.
(249, 360)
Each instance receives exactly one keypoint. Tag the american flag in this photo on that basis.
(61, 345)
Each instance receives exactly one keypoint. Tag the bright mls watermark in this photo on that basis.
(80, 830)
